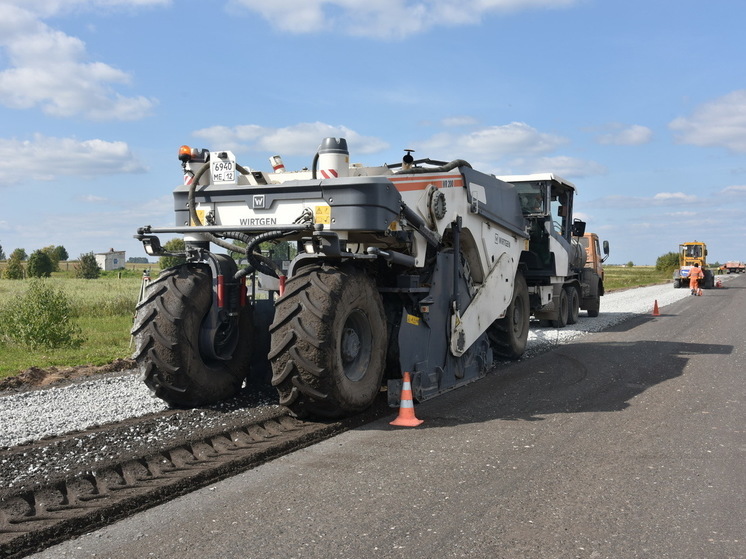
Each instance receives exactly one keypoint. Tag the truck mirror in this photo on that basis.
(578, 227)
(606, 250)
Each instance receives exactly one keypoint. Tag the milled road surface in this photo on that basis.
(625, 444)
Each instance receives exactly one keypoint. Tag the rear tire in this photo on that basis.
(562, 310)
(573, 298)
(167, 331)
(509, 335)
(329, 342)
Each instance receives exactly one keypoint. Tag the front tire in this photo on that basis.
(509, 335)
(329, 342)
(167, 333)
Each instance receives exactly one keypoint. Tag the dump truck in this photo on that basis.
(409, 267)
(594, 270)
(734, 267)
(692, 253)
(562, 263)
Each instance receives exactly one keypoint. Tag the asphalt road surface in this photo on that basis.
(624, 444)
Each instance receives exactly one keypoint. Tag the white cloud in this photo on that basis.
(384, 18)
(516, 138)
(93, 199)
(737, 190)
(718, 123)
(675, 197)
(51, 70)
(509, 149)
(569, 167)
(634, 135)
(45, 158)
(680, 214)
(300, 139)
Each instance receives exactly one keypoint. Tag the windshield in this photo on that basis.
(532, 198)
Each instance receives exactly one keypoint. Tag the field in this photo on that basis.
(624, 277)
(104, 310)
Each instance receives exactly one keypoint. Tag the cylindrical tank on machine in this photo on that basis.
(577, 255)
(334, 159)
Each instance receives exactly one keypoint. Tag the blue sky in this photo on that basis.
(641, 104)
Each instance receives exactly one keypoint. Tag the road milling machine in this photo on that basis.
(414, 266)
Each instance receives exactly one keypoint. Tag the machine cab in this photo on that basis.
(547, 205)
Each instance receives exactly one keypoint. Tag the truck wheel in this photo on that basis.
(594, 307)
(573, 309)
(563, 310)
(329, 342)
(167, 331)
(709, 280)
(509, 335)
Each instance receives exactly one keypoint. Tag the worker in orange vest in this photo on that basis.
(695, 274)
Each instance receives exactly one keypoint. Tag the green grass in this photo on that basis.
(623, 277)
(107, 339)
(103, 308)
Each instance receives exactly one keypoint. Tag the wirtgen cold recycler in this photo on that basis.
(410, 267)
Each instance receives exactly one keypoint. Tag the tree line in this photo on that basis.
(42, 262)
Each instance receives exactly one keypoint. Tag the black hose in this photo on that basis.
(314, 163)
(193, 207)
(442, 169)
(259, 262)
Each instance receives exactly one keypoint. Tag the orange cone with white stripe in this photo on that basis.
(406, 406)
(656, 311)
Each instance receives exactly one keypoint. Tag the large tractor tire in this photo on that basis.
(329, 342)
(167, 332)
(509, 335)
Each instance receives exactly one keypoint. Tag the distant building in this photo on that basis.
(112, 260)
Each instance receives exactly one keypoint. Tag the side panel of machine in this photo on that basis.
(355, 203)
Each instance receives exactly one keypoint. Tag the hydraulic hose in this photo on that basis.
(258, 261)
(314, 164)
(442, 169)
(193, 207)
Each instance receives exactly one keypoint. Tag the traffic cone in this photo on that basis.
(406, 406)
(656, 312)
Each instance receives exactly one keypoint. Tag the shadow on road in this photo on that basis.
(574, 378)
